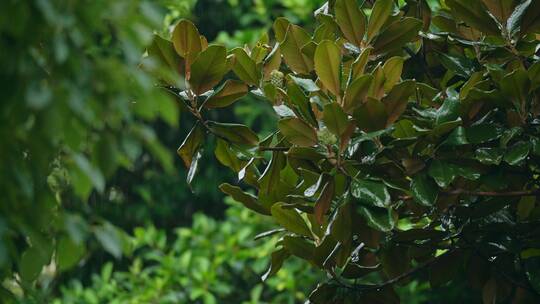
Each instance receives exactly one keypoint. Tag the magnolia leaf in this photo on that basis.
(474, 13)
(374, 193)
(227, 94)
(530, 23)
(278, 257)
(186, 40)
(424, 190)
(291, 48)
(380, 219)
(270, 178)
(299, 247)
(227, 157)
(234, 133)
(371, 116)
(208, 69)
(396, 101)
(280, 28)
(392, 69)
(324, 201)
(297, 132)
(356, 93)
(359, 64)
(501, 9)
(248, 200)
(335, 119)
(351, 20)
(397, 35)
(517, 153)
(379, 14)
(290, 219)
(245, 68)
(191, 145)
(327, 65)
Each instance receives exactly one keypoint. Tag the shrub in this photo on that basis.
(211, 262)
(407, 145)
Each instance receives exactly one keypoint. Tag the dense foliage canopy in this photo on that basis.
(407, 144)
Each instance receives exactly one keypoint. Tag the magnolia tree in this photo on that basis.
(407, 144)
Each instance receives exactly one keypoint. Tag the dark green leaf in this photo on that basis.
(290, 219)
(247, 199)
(424, 190)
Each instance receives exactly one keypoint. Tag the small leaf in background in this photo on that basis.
(68, 253)
(371, 192)
(32, 262)
(516, 86)
(247, 199)
(208, 69)
(328, 64)
(379, 14)
(290, 219)
(191, 145)
(424, 190)
(297, 132)
(186, 40)
(110, 238)
(335, 119)
(291, 48)
(234, 133)
(227, 94)
(245, 68)
(351, 20)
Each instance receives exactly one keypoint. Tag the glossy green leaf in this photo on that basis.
(290, 219)
(424, 190)
(297, 132)
(291, 49)
(234, 133)
(371, 116)
(517, 153)
(208, 69)
(227, 94)
(374, 193)
(245, 68)
(270, 178)
(191, 145)
(397, 35)
(397, 99)
(530, 23)
(335, 118)
(247, 199)
(186, 40)
(323, 203)
(280, 28)
(474, 13)
(299, 247)
(380, 219)
(392, 69)
(351, 20)
(328, 64)
(278, 257)
(489, 156)
(482, 133)
(356, 92)
(360, 63)
(379, 14)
